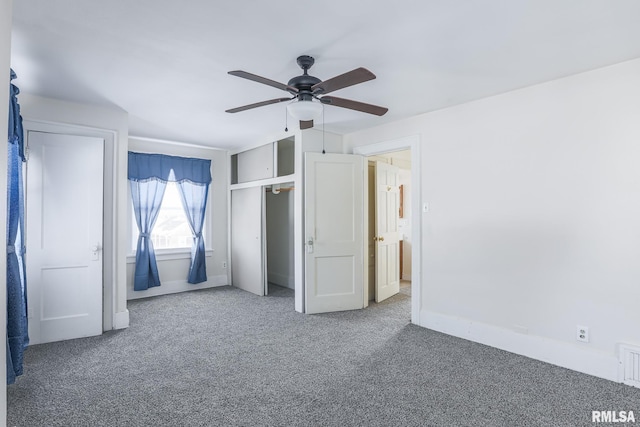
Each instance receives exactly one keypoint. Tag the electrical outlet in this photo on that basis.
(224, 264)
(582, 333)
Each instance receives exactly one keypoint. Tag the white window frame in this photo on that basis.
(170, 254)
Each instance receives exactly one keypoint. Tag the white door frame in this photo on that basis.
(109, 206)
(413, 143)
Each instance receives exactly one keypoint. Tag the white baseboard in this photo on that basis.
(177, 286)
(121, 320)
(558, 353)
(281, 280)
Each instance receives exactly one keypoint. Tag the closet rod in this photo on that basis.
(283, 189)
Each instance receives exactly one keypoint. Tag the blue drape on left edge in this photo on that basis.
(148, 174)
(17, 328)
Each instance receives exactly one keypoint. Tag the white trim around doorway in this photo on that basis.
(407, 143)
(110, 318)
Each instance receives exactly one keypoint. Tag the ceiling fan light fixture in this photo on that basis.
(304, 110)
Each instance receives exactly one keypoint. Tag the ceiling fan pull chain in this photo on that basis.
(323, 152)
(286, 122)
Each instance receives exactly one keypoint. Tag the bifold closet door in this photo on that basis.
(248, 240)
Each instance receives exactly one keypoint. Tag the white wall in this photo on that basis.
(5, 59)
(532, 229)
(173, 272)
(314, 141)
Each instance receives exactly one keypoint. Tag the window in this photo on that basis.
(149, 175)
(171, 230)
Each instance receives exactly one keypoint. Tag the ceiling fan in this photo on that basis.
(305, 89)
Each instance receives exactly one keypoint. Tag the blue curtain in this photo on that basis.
(148, 174)
(147, 198)
(143, 167)
(194, 201)
(17, 328)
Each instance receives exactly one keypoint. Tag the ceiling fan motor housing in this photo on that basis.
(303, 83)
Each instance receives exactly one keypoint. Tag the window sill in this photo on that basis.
(169, 254)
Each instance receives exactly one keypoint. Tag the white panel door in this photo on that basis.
(386, 238)
(333, 232)
(64, 236)
(247, 240)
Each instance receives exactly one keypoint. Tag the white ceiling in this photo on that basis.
(165, 62)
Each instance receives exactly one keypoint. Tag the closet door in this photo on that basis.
(248, 240)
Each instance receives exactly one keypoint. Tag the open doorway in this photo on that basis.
(279, 232)
(389, 225)
(411, 143)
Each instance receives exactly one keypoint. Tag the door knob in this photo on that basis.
(94, 252)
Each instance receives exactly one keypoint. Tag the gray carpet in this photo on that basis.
(224, 357)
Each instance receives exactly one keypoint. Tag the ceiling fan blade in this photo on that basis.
(263, 80)
(306, 124)
(257, 104)
(353, 77)
(354, 105)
